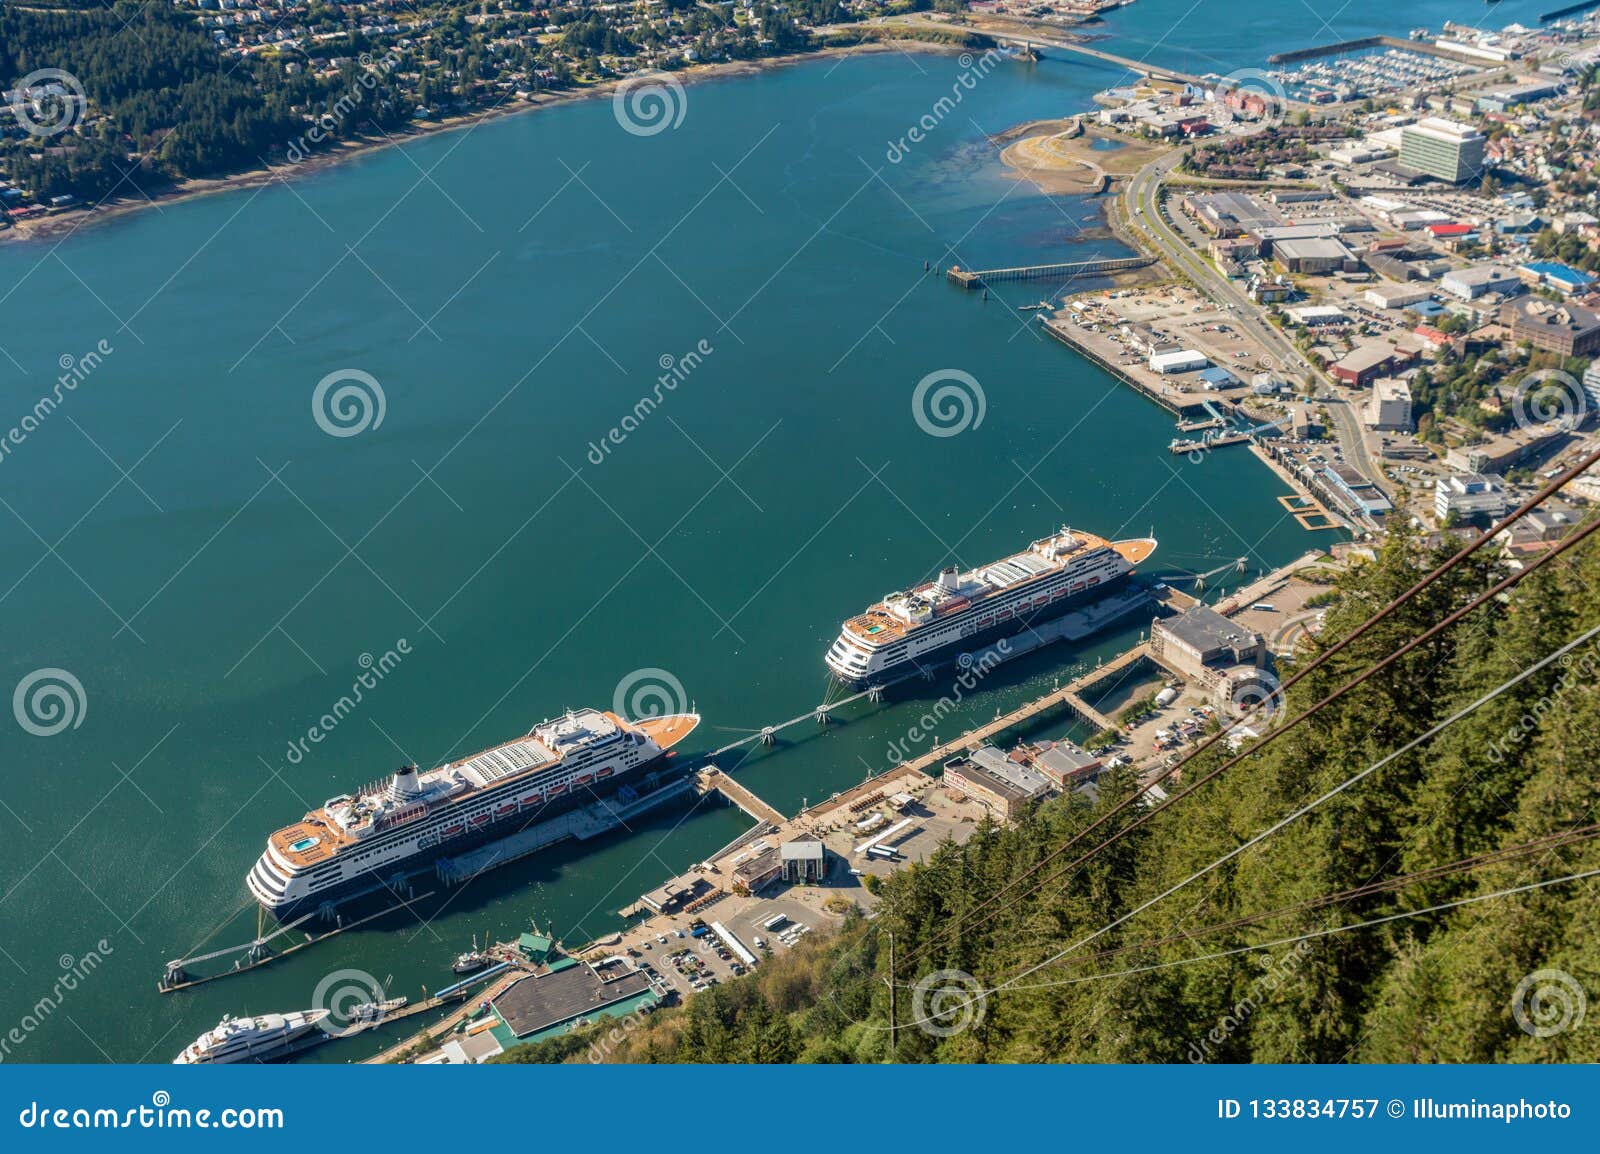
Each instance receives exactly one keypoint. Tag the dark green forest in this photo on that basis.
(1513, 773)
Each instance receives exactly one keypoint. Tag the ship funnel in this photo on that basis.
(405, 785)
(950, 579)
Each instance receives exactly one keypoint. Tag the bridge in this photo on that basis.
(1137, 67)
(971, 279)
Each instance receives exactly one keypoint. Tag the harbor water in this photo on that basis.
(513, 532)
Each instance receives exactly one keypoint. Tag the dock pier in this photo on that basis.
(971, 279)
(1180, 410)
(713, 780)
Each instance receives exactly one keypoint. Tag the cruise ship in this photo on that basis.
(936, 623)
(250, 1039)
(359, 843)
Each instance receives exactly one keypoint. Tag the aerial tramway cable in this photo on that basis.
(1422, 584)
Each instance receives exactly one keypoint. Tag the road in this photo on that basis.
(1142, 208)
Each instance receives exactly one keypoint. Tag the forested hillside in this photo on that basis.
(1517, 770)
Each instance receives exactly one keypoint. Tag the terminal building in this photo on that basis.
(1002, 784)
(803, 860)
(1200, 639)
(1443, 149)
(561, 995)
(1213, 651)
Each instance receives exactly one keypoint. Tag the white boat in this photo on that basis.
(250, 1039)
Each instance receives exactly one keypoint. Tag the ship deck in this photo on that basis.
(328, 840)
(877, 626)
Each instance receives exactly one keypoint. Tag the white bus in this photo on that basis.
(883, 853)
(774, 922)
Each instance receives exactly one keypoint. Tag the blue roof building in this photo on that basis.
(1553, 274)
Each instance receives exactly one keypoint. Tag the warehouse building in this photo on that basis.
(1200, 638)
(1178, 361)
(996, 781)
(1470, 283)
(1314, 255)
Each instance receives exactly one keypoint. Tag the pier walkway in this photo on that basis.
(1070, 695)
(971, 279)
(712, 778)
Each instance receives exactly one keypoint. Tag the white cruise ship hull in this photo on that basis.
(924, 629)
(411, 842)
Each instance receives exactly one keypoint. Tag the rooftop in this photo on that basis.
(541, 1001)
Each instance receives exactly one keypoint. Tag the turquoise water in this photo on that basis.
(216, 571)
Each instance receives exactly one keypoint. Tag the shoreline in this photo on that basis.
(64, 225)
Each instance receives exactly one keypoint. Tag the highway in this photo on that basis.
(1142, 208)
